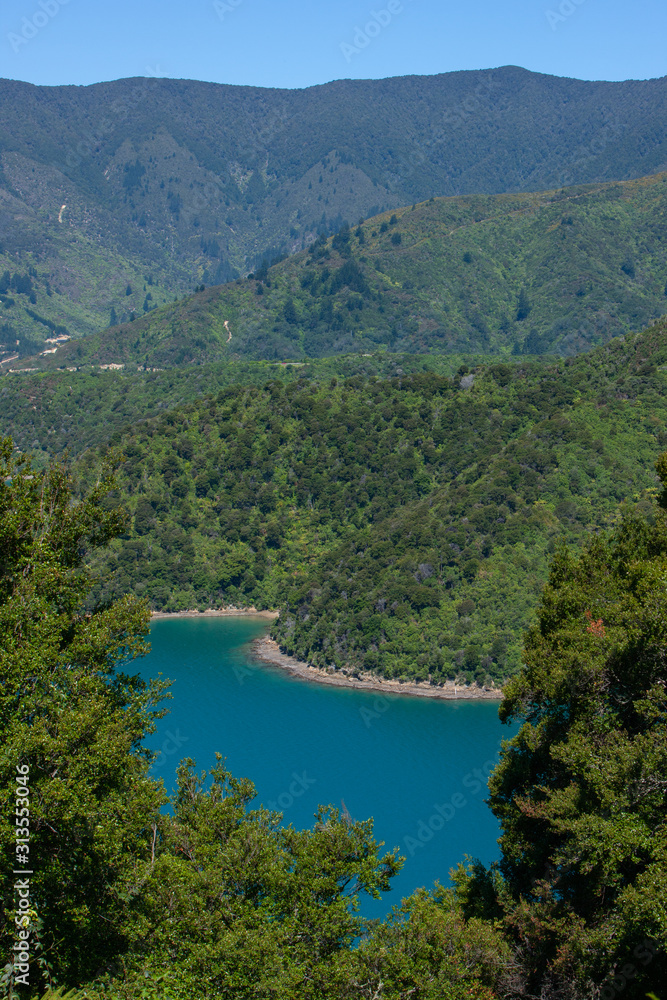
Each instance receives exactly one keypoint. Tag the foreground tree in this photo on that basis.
(72, 721)
(427, 949)
(581, 790)
(210, 900)
(236, 905)
(216, 900)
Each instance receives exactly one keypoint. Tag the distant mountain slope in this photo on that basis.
(66, 283)
(195, 183)
(553, 272)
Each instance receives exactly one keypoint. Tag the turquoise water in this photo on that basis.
(417, 765)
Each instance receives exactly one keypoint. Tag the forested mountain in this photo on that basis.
(215, 897)
(553, 272)
(402, 524)
(406, 512)
(171, 184)
(49, 413)
(59, 282)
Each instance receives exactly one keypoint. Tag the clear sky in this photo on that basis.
(273, 43)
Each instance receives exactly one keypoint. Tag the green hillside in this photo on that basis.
(554, 272)
(63, 285)
(434, 438)
(402, 524)
(194, 183)
(51, 412)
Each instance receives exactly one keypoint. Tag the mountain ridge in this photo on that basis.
(553, 272)
(191, 183)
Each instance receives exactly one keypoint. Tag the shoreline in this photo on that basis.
(217, 613)
(267, 650)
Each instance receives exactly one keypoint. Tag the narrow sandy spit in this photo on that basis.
(217, 613)
(267, 650)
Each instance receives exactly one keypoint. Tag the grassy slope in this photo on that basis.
(402, 524)
(197, 182)
(448, 275)
(62, 299)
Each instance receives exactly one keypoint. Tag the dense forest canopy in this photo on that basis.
(60, 411)
(400, 517)
(402, 524)
(218, 899)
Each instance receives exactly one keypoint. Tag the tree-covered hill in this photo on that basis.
(52, 412)
(192, 183)
(554, 272)
(402, 524)
(216, 897)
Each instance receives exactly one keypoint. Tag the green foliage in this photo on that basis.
(402, 525)
(580, 790)
(50, 413)
(227, 897)
(218, 900)
(342, 498)
(70, 713)
(428, 949)
(61, 994)
(254, 908)
(77, 287)
(487, 274)
(151, 193)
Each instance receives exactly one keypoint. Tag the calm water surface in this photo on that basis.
(418, 766)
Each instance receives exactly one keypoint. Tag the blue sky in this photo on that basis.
(270, 43)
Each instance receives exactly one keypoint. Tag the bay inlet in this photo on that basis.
(418, 766)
